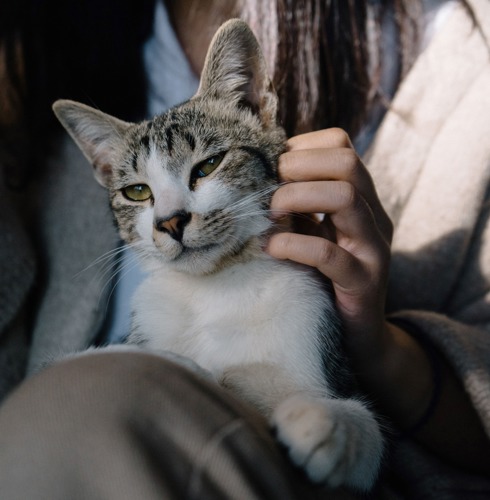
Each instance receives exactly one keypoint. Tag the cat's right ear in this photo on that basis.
(97, 134)
(235, 71)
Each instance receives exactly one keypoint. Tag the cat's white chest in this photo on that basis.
(260, 311)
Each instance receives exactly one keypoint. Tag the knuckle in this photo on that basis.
(283, 194)
(284, 243)
(350, 162)
(379, 261)
(348, 195)
(326, 253)
(286, 166)
(280, 245)
(290, 194)
(339, 137)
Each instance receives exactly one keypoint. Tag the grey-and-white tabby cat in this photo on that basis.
(190, 191)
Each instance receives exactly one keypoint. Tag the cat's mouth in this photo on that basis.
(187, 250)
(179, 251)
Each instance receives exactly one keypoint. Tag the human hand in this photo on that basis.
(351, 246)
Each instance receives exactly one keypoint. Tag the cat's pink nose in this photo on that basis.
(174, 225)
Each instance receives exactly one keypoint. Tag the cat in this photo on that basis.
(190, 192)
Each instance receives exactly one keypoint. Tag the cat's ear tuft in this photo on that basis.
(235, 70)
(97, 134)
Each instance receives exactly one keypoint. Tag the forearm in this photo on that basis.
(402, 383)
(351, 247)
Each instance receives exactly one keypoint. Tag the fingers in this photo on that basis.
(320, 163)
(324, 175)
(328, 155)
(327, 164)
(330, 138)
(330, 259)
(349, 212)
(312, 225)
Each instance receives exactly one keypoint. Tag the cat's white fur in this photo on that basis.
(256, 324)
(220, 325)
(258, 340)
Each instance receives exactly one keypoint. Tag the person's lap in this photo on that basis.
(133, 425)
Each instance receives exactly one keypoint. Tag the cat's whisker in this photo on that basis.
(268, 213)
(110, 263)
(111, 269)
(260, 192)
(107, 267)
(245, 215)
(107, 256)
(119, 254)
(119, 272)
(253, 197)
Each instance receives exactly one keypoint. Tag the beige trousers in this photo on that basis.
(121, 426)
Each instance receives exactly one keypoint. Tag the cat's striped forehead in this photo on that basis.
(193, 132)
(175, 131)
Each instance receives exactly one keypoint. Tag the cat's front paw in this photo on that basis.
(336, 442)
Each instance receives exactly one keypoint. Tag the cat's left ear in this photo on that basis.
(97, 134)
(235, 70)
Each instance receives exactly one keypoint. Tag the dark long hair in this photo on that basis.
(90, 51)
(325, 55)
(86, 50)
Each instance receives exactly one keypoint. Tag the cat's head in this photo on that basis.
(191, 187)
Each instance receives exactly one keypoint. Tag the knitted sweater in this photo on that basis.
(431, 166)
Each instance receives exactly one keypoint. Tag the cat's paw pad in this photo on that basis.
(325, 441)
(314, 439)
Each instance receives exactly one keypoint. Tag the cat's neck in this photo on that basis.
(252, 250)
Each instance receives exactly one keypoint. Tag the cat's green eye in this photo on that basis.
(137, 192)
(208, 166)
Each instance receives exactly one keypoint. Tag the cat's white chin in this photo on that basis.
(201, 260)
(210, 258)
(192, 260)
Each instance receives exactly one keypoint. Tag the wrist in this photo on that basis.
(400, 379)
